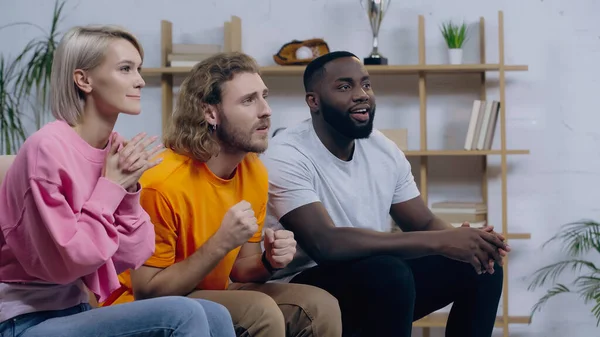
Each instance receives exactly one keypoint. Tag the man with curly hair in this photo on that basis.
(208, 201)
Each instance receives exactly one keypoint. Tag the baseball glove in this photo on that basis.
(287, 54)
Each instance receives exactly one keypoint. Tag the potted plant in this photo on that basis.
(12, 133)
(25, 83)
(579, 239)
(455, 35)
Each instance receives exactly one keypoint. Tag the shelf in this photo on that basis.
(429, 153)
(518, 236)
(422, 152)
(373, 69)
(438, 320)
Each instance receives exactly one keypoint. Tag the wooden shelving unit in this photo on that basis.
(430, 153)
(421, 69)
(373, 69)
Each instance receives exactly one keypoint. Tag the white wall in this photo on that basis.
(551, 109)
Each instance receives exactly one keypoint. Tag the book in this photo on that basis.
(457, 212)
(459, 207)
(478, 124)
(473, 123)
(491, 129)
(186, 60)
(485, 120)
(482, 125)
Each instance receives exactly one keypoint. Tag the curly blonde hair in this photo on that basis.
(188, 132)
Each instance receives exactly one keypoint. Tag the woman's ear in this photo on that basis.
(82, 81)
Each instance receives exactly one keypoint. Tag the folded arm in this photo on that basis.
(181, 278)
(56, 245)
(324, 242)
(413, 215)
(297, 205)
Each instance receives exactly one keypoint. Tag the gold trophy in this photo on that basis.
(375, 11)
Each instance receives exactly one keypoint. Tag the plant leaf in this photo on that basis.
(596, 309)
(554, 291)
(11, 127)
(588, 286)
(552, 271)
(25, 82)
(34, 81)
(455, 35)
(578, 237)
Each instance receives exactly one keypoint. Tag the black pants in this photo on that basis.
(382, 295)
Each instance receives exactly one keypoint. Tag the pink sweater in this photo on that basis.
(62, 223)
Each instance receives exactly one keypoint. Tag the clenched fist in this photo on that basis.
(280, 247)
(238, 225)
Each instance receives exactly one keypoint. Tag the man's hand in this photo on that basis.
(280, 247)
(490, 229)
(501, 252)
(471, 245)
(238, 225)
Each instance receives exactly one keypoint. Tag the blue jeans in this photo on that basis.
(164, 316)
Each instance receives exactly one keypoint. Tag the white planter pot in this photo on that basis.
(455, 55)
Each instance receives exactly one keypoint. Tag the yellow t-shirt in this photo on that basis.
(186, 203)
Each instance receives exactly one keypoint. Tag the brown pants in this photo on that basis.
(278, 309)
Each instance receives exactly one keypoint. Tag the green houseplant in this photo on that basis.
(25, 83)
(579, 240)
(455, 35)
(12, 132)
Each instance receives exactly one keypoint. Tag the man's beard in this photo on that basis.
(342, 122)
(237, 139)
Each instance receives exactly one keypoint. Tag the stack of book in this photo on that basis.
(188, 55)
(482, 125)
(456, 212)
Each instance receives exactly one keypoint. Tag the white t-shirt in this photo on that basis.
(356, 193)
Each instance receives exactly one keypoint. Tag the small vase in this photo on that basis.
(455, 55)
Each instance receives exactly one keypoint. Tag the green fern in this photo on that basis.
(455, 35)
(578, 239)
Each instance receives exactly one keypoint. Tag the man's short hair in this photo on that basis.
(316, 68)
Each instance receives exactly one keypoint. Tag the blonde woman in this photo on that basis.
(71, 217)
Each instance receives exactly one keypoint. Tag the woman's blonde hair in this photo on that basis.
(189, 133)
(80, 48)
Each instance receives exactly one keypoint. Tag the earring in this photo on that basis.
(212, 127)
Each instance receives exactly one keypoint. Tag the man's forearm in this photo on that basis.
(345, 243)
(437, 224)
(182, 278)
(250, 269)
